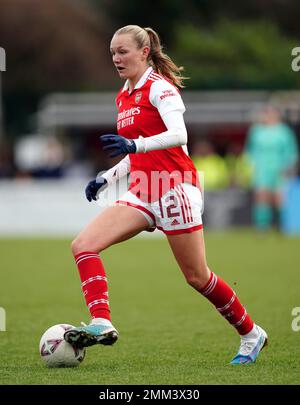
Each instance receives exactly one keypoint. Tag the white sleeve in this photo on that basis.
(165, 97)
(175, 135)
(117, 171)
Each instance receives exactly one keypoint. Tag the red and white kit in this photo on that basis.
(179, 210)
(164, 187)
(164, 182)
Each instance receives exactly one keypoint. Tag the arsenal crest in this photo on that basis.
(138, 96)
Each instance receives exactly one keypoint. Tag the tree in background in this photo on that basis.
(63, 45)
(236, 55)
(161, 15)
(282, 13)
(53, 45)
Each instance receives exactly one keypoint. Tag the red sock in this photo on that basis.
(227, 303)
(93, 284)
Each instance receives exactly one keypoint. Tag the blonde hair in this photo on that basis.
(160, 61)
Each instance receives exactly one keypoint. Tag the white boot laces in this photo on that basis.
(246, 347)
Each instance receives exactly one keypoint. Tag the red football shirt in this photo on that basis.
(140, 113)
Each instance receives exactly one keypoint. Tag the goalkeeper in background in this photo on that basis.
(272, 149)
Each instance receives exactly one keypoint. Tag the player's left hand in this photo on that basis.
(93, 187)
(117, 144)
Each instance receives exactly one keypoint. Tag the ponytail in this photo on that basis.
(161, 62)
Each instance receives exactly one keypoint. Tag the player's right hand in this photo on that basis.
(93, 187)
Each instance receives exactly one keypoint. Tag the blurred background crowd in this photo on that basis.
(57, 94)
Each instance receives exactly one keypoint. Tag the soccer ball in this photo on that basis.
(56, 352)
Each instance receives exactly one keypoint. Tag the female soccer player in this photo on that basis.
(163, 192)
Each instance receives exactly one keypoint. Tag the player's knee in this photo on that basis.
(80, 244)
(198, 279)
(77, 246)
(195, 282)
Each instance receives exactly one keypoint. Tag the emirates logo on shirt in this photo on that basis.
(138, 97)
(126, 117)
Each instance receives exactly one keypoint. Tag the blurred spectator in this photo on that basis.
(213, 166)
(52, 157)
(39, 156)
(52, 160)
(272, 149)
(239, 166)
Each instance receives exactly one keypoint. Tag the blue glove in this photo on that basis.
(93, 187)
(117, 144)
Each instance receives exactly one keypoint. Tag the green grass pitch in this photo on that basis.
(169, 334)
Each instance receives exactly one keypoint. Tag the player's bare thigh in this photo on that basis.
(189, 251)
(115, 224)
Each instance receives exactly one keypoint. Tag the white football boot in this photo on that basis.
(251, 346)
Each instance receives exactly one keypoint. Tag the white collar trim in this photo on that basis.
(141, 82)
